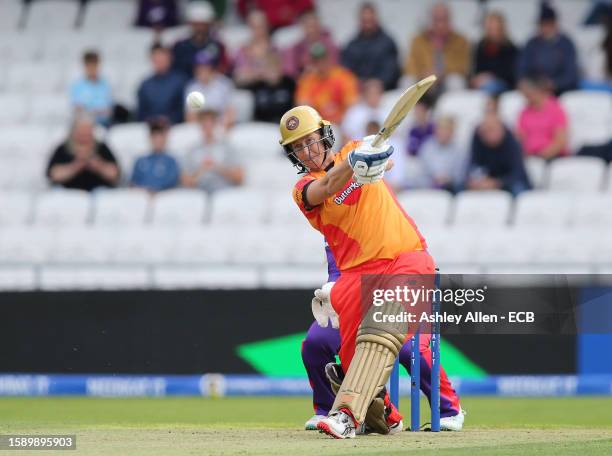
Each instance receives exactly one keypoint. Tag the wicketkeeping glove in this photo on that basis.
(369, 162)
(322, 309)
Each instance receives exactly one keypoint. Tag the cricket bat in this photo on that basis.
(402, 107)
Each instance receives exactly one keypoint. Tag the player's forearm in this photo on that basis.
(330, 184)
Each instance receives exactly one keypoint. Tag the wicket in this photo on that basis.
(415, 376)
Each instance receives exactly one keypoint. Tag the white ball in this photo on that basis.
(195, 100)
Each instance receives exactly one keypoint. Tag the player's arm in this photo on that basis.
(322, 188)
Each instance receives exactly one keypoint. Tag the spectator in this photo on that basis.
(542, 124)
(217, 88)
(607, 47)
(297, 58)
(157, 171)
(443, 161)
(280, 13)
(367, 110)
(214, 165)
(438, 50)
(200, 16)
(162, 93)
(274, 94)
(550, 53)
(250, 60)
(422, 128)
(372, 53)
(81, 162)
(157, 14)
(329, 88)
(495, 57)
(497, 159)
(92, 94)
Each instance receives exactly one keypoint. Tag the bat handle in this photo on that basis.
(378, 140)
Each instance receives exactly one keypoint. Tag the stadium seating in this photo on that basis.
(466, 107)
(590, 117)
(206, 277)
(61, 208)
(17, 278)
(537, 170)
(428, 208)
(482, 209)
(106, 15)
(52, 14)
(510, 106)
(15, 208)
(121, 207)
(240, 206)
(577, 174)
(255, 140)
(94, 278)
(542, 211)
(180, 207)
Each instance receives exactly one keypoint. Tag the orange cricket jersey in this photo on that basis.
(360, 223)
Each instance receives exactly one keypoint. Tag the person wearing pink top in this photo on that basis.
(542, 125)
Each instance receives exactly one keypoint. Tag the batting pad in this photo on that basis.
(377, 347)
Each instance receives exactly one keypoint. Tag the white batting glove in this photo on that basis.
(368, 162)
(322, 308)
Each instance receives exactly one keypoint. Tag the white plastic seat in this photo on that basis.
(589, 116)
(121, 207)
(577, 174)
(180, 207)
(25, 141)
(20, 46)
(68, 47)
(259, 245)
(22, 173)
(278, 175)
(17, 278)
(183, 138)
(307, 249)
(504, 247)
(106, 15)
(83, 245)
(542, 210)
(244, 105)
(201, 245)
(15, 108)
(25, 78)
(239, 206)
(131, 76)
(482, 209)
(25, 244)
(234, 37)
(466, 107)
(293, 277)
(593, 211)
(94, 278)
(511, 104)
(142, 245)
(52, 14)
(428, 208)
(537, 170)
(129, 45)
(255, 140)
(11, 13)
(452, 246)
(15, 208)
(231, 278)
(51, 109)
(563, 247)
(60, 208)
(284, 212)
(128, 141)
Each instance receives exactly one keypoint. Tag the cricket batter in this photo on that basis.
(344, 197)
(322, 343)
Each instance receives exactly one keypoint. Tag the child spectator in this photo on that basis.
(157, 171)
(92, 94)
(497, 159)
(274, 94)
(372, 54)
(327, 87)
(213, 165)
(217, 88)
(495, 57)
(542, 125)
(422, 128)
(297, 58)
(81, 162)
(161, 94)
(443, 161)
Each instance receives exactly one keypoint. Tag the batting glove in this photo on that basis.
(369, 162)
(322, 309)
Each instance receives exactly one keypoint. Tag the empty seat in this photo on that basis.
(255, 140)
(21, 46)
(536, 168)
(239, 206)
(26, 141)
(60, 208)
(466, 107)
(428, 208)
(11, 13)
(278, 175)
(261, 245)
(202, 245)
(592, 211)
(25, 244)
(563, 247)
(17, 278)
(51, 109)
(577, 174)
(106, 15)
(15, 108)
(544, 210)
(284, 212)
(128, 141)
(451, 246)
(503, 247)
(121, 207)
(234, 37)
(482, 208)
(52, 14)
(68, 47)
(142, 245)
(244, 105)
(590, 117)
(82, 245)
(15, 208)
(22, 173)
(183, 138)
(179, 207)
(25, 77)
(231, 277)
(94, 278)
(511, 104)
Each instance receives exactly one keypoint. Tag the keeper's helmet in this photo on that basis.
(299, 122)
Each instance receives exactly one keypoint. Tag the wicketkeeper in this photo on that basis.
(344, 197)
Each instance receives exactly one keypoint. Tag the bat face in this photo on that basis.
(402, 107)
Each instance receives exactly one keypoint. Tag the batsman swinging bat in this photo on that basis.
(402, 107)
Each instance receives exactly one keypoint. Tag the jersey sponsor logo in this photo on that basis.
(292, 123)
(346, 193)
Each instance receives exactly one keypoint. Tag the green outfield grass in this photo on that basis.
(273, 426)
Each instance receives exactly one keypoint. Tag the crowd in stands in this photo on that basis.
(344, 83)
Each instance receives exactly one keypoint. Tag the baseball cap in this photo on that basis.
(200, 11)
